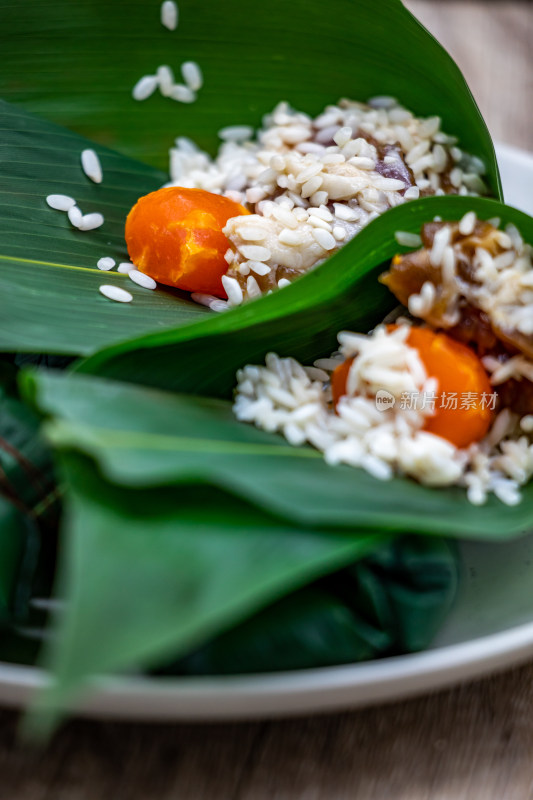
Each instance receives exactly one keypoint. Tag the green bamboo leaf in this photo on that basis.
(152, 573)
(141, 437)
(26, 469)
(309, 628)
(14, 534)
(301, 321)
(26, 481)
(77, 66)
(393, 601)
(49, 300)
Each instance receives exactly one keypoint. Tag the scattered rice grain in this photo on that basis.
(115, 293)
(141, 279)
(75, 216)
(406, 239)
(106, 263)
(60, 202)
(468, 223)
(192, 75)
(183, 94)
(89, 222)
(144, 87)
(165, 78)
(236, 133)
(91, 165)
(125, 267)
(169, 15)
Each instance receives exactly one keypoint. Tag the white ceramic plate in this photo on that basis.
(490, 627)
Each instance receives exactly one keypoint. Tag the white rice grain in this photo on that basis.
(89, 222)
(252, 287)
(526, 423)
(468, 223)
(125, 267)
(219, 305)
(258, 267)
(91, 165)
(339, 233)
(115, 293)
(75, 216)
(406, 239)
(253, 233)
(343, 136)
(368, 163)
(236, 133)
(165, 78)
(192, 75)
(144, 87)
(60, 202)
(311, 186)
(183, 94)
(345, 213)
(169, 15)
(233, 290)
(203, 299)
(105, 263)
(255, 252)
(440, 242)
(291, 237)
(141, 279)
(324, 239)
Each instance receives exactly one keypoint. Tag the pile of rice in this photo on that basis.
(312, 184)
(500, 285)
(373, 427)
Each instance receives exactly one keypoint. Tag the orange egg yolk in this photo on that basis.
(458, 371)
(175, 236)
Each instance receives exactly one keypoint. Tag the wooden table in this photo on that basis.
(471, 743)
(491, 40)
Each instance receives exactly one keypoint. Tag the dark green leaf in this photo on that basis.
(405, 589)
(310, 628)
(147, 573)
(302, 320)
(26, 485)
(391, 602)
(14, 532)
(49, 298)
(142, 437)
(26, 470)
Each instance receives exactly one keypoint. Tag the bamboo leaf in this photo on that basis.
(78, 68)
(301, 321)
(49, 300)
(140, 437)
(152, 573)
(392, 601)
(26, 480)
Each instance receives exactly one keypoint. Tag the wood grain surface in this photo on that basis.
(471, 743)
(492, 42)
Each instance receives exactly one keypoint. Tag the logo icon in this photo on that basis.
(384, 400)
